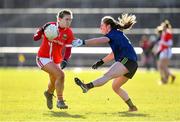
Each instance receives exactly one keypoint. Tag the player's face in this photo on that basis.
(65, 22)
(104, 28)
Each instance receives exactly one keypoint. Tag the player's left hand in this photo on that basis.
(77, 43)
(97, 64)
(64, 64)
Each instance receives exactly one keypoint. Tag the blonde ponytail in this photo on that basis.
(126, 21)
(167, 24)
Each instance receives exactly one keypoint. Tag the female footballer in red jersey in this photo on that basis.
(50, 56)
(164, 52)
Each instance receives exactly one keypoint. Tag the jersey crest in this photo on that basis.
(64, 37)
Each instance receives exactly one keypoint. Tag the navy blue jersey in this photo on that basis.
(120, 45)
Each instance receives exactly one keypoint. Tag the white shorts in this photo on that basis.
(41, 62)
(165, 54)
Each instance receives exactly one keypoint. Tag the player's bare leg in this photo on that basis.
(51, 84)
(161, 69)
(49, 92)
(116, 86)
(167, 71)
(59, 85)
(116, 70)
(58, 74)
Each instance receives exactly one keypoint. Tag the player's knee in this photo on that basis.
(52, 78)
(115, 88)
(60, 76)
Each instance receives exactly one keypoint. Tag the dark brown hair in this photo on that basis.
(124, 22)
(64, 12)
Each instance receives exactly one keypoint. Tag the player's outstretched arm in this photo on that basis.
(93, 41)
(96, 41)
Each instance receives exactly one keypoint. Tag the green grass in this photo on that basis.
(21, 98)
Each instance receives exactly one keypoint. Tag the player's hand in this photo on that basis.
(98, 64)
(64, 64)
(45, 26)
(77, 43)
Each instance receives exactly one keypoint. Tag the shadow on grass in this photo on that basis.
(127, 114)
(63, 114)
(131, 114)
(123, 114)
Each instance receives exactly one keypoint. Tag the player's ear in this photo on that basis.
(108, 26)
(59, 19)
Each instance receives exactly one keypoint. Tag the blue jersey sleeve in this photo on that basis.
(109, 35)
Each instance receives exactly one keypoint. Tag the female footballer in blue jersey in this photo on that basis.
(123, 53)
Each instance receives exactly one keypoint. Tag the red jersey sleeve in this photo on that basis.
(37, 36)
(167, 37)
(69, 41)
(70, 37)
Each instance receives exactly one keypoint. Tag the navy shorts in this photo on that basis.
(130, 65)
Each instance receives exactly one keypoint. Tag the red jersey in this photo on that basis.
(53, 49)
(145, 44)
(166, 39)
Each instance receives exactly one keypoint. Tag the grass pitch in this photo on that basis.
(21, 98)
